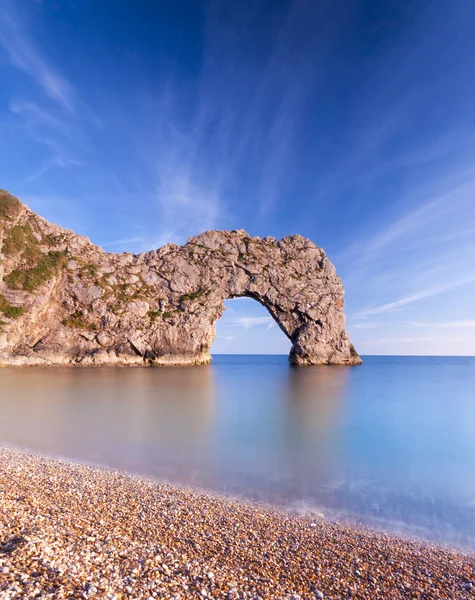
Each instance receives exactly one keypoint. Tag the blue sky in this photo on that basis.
(351, 122)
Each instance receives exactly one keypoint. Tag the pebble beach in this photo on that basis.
(73, 531)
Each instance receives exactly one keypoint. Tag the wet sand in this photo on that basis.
(74, 531)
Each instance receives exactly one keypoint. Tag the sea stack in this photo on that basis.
(65, 301)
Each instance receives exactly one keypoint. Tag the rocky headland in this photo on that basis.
(65, 301)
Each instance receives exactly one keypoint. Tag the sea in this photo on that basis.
(388, 445)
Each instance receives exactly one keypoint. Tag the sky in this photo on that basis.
(351, 123)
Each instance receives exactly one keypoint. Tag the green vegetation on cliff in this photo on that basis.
(154, 314)
(78, 321)
(10, 311)
(30, 279)
(20, 240)
(8, 205)
(39, 266)
(191, 296)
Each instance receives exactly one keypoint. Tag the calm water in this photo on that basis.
(390, 444)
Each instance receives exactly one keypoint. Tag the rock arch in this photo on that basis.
(73, 303)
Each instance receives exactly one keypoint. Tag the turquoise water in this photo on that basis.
(390, 444)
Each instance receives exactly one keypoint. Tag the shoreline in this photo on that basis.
(69, 530)
(307, 512)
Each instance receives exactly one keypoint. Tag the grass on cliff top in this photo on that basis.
(30, 279)
(8, 205)
(40, 267)
(20, 240)
(10, 311)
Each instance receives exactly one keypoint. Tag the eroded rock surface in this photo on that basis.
(65, 301)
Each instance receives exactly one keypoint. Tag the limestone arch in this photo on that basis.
(70, 302)
(292, 278)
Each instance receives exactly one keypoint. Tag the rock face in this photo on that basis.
(64, 301)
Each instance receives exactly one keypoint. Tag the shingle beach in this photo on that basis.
(74, 531)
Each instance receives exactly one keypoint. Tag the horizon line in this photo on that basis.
(362, 355)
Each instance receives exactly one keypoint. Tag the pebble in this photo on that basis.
(84, 532)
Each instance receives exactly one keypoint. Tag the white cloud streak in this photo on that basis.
(446, 325)
(248, 322)
(427, 293)
(424, 216)
(386, 341)
(26, 56)
(58, 161)
(186, 206)
(35, 114)
(402, 340)
(139, 243)
(364, 325)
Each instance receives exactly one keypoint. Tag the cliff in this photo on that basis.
(65, 301)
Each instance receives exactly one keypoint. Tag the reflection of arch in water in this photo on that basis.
(315, 405)
(165, 415)
(132, 418)
(176, 406)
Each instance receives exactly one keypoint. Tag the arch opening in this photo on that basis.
(247, 327)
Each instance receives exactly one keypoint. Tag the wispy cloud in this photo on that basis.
(243, 127)
(186, 206)
(27, 56)
(402, 340)
(427, 293)
(50, 124)
(430, 345)
(38, 119)
(446, 324)
(248, 322)
(457, 192)
(365, 325)
(413, 340)
(59, 161)
(139, 243)
(123, 242)
(36, 115)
